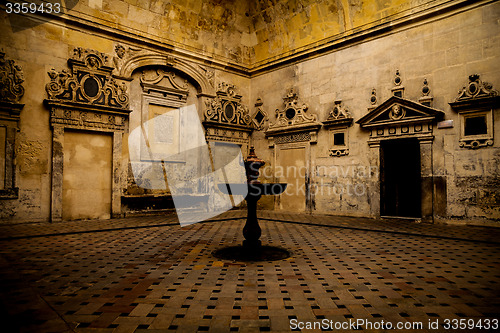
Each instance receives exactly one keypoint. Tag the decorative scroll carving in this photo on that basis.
(292, 114)
(475, 103)
(86, 96)
(210, 75)
(226, 108)
(226, 118)
(260, 116)
(88, 82)
(162, 84)
(476, 89)
(293, 119)
(11, 79)
(339, 116)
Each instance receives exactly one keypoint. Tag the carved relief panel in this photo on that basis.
(11, 92)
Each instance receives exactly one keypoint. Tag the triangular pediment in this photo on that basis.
(397, 110)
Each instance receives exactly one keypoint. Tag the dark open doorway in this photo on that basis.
(400, 184)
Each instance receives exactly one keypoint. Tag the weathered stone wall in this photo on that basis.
(37, 49)
(445, 48)
(445, 52)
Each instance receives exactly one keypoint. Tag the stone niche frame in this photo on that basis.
(294, 128)
(174, 96)
(476, 100)
(86, 98)
(11, 91)
(398, 118)
(227, 119)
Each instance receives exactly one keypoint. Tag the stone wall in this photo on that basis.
(445, 52)
(327, 51)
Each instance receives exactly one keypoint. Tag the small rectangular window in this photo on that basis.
(475, 125)
(338, 139)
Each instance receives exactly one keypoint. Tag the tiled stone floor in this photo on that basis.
(150, 275)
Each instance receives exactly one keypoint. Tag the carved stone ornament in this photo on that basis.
(426, 98)
(398, 89)
(373, 97)
(293, 118)
(476, 93)
(339, 116)
(260, 116)
(226, 108)
(11, 79)
(11, 91)
(89, 81)
(163, 84)
(226, 118)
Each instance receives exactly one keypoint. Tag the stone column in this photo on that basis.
(57, 173)
(426, 180)
(117, 171)
(374, 183)
(10, 142)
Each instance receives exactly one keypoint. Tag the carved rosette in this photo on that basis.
(88, 81)
(11, 79)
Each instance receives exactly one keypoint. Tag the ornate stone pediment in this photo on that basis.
(339, 116)
(399, 117)
(87, 96)
(226, 118)
(476, 94)
(88, 82)
(293, 118)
